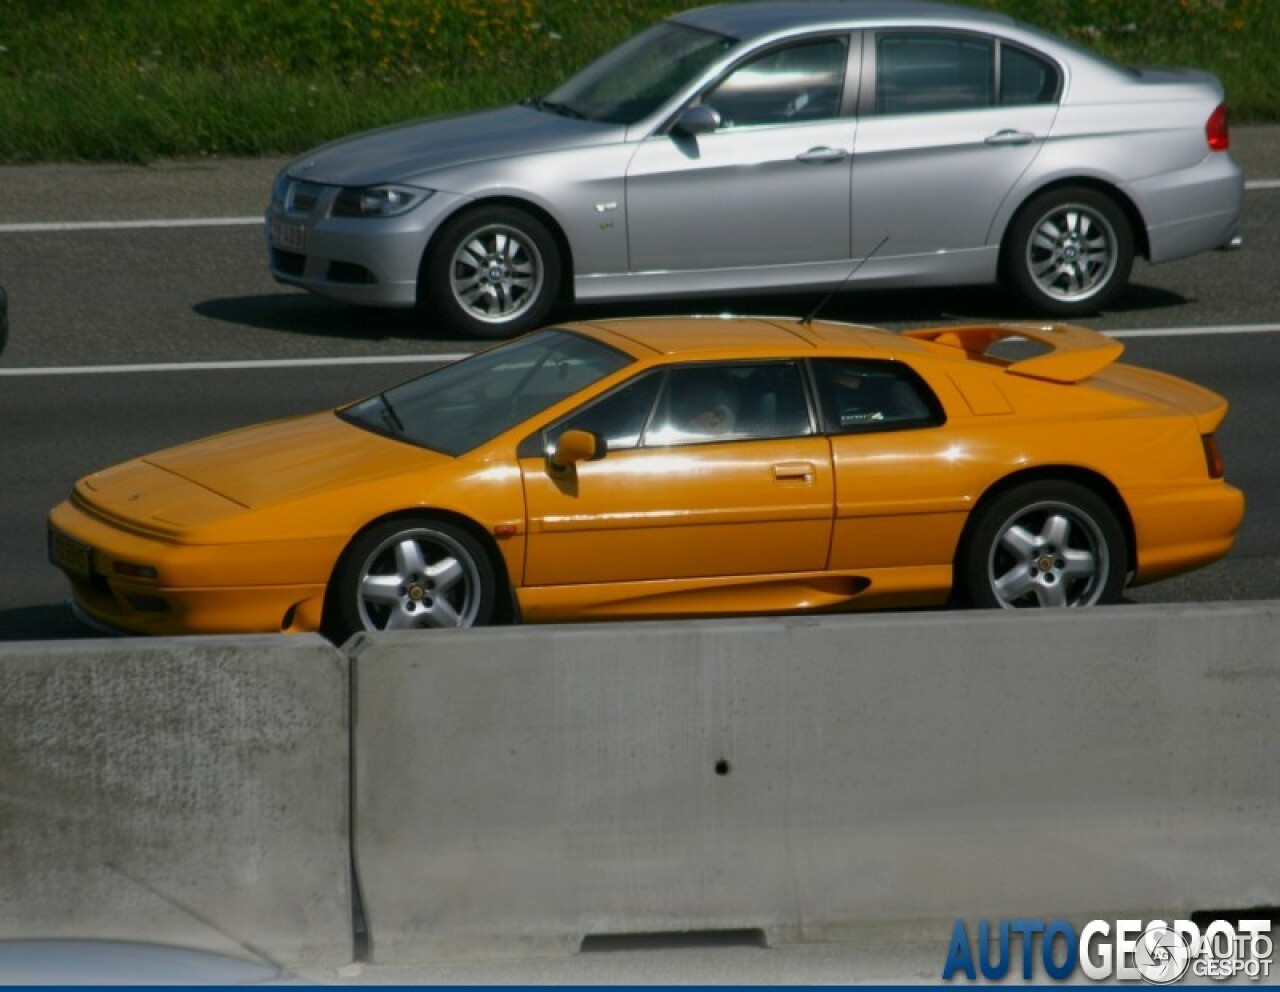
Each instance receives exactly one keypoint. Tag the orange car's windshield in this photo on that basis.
(464, 405)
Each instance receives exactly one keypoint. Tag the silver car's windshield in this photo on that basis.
(640, 75)
(464, 405)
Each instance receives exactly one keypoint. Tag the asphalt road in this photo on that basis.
(82, 297)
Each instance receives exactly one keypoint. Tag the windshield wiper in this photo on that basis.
(389, 416)
(554, 107)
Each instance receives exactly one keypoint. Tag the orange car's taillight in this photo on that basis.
(1216, 131)
(1212, 456)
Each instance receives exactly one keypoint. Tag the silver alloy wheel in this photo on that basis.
(1072, 253)
(418, 578)
(1048, 554)
(496, 273)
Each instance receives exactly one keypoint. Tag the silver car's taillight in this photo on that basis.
(1216, 132)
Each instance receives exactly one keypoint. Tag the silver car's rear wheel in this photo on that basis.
(411, 574)
(1072, 253)
(1046, 544)
(493, 272)
(1068, 252)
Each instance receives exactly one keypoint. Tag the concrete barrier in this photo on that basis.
(518, 789)
(189, 791)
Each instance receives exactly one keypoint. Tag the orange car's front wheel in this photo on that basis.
(413, 573)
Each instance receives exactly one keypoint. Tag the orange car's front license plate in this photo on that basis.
(70, 555)
(291, 237)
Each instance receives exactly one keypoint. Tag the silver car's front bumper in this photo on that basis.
(370, 261)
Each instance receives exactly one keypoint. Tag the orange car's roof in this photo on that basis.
(737, 336)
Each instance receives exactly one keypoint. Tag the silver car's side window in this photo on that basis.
(802, 82)
(922, 72)
(1026, 78)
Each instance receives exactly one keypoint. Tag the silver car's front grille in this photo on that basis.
(303, 197)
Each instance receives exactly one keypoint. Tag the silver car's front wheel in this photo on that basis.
(493, 272)
(496, 274)
(1068, 252)
(411, 574)
(1046, 544)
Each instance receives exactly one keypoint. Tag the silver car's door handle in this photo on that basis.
(822, 154)
(1011, 137)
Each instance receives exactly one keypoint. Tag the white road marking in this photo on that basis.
(184, 222)
(337, 361)
(1187, 332)
(129, 225)
(267, 363)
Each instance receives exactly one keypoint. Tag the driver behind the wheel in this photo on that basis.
(703, 405)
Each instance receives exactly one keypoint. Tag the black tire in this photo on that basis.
(1046, 543)
(379, 584)
(1068, 252)
(492, 272)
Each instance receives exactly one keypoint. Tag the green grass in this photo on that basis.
(136, 80)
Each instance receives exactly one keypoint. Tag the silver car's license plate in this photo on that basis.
(72, 556)
(291, 237)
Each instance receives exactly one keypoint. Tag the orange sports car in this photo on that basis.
(667, 468)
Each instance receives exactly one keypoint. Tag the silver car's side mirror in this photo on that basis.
(699, 119)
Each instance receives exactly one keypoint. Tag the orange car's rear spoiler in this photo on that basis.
(1076, 352)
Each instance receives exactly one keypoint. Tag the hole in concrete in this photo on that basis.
(722, 767)
(692, 940)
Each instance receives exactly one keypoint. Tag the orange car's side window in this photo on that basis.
(619, 417)
(857, 395)
(713, 402)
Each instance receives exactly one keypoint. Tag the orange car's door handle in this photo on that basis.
(793, 472)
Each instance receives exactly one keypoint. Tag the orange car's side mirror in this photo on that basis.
(577, 446)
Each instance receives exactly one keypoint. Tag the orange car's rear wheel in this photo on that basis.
(413, 573)
(1045, 544)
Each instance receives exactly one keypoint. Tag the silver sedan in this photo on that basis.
(775, 146)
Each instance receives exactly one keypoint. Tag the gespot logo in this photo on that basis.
(1162, 955)
(1155, 952)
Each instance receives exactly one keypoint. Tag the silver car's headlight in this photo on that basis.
(377, 201)
(280, 191)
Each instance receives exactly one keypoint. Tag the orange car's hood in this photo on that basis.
(276, 461)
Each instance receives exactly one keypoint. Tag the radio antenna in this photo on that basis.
(808, 318)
